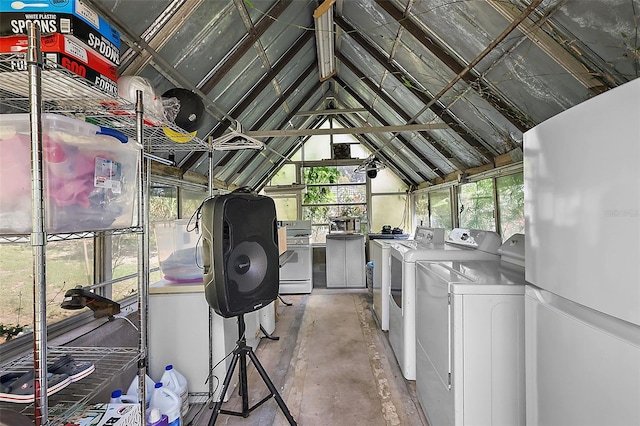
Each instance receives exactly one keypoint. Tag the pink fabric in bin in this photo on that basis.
(69, 173)
(15, 174)
(71, 181)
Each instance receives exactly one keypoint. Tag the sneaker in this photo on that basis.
(19, 387)
(74, 369)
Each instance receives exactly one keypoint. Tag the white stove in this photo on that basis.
(298, 240)
(296, 274)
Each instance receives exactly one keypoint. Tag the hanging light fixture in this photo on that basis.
(323, 18)
(371, 167)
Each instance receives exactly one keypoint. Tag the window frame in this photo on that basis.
(102, 277)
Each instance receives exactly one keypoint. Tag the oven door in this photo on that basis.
(298, 267)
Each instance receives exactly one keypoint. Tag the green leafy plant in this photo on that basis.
(8, 332)
(319, 194)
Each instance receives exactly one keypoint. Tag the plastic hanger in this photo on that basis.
(236, 140)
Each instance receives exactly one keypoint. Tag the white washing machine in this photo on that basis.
(462, 244)
(470, 333)
(381, 256)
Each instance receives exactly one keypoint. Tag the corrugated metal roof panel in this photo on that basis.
(484, 68)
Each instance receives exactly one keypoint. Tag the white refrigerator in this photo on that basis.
(582, 307)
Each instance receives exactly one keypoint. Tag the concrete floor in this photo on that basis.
(332, 366)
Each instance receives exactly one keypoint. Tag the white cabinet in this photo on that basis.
(181, 334)
(345, 261)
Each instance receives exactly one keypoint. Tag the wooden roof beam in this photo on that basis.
(372, 146)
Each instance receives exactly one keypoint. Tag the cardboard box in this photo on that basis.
(62, 16)
(108, 415)
(282, 240)
(90, 180)
(67, 52)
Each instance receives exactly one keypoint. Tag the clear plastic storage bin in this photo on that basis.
(179, 255)
(90, 180)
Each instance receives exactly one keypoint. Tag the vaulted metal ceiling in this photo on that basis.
(476, 74)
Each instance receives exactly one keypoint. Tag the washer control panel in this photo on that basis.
(426, 235)
(488, 241)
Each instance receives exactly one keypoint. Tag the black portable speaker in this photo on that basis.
(240, 253)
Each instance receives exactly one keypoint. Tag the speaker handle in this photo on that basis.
(275, 233)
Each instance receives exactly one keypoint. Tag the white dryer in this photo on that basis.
(462, 244)
(470, 339)
(381, 256)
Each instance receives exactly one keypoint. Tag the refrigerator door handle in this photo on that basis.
(598, 320)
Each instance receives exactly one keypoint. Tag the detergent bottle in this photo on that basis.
(156, 418)
(132, 392)
(176, 382)
(116, 397)
(167, 403)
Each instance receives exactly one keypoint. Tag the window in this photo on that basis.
(388, 202)
(285, 176)
(315, 148)
(286, 206)
(163, 205)
(191, 200)
(333, 191)
(510, 191)
(163, 202)
(124, 264)
(440, 210)
(69, 264)
(16, 303)
(389, 210)
(421, 209)
(286, 202)
(336, 190)
(476, 205)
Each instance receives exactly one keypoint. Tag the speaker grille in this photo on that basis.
(247, 266)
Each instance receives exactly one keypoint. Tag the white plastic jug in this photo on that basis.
(117, 397)
(176, 382)
(132, 392)
(156, 418)
(168, 403)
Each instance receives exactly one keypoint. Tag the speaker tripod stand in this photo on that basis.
(240, 353)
